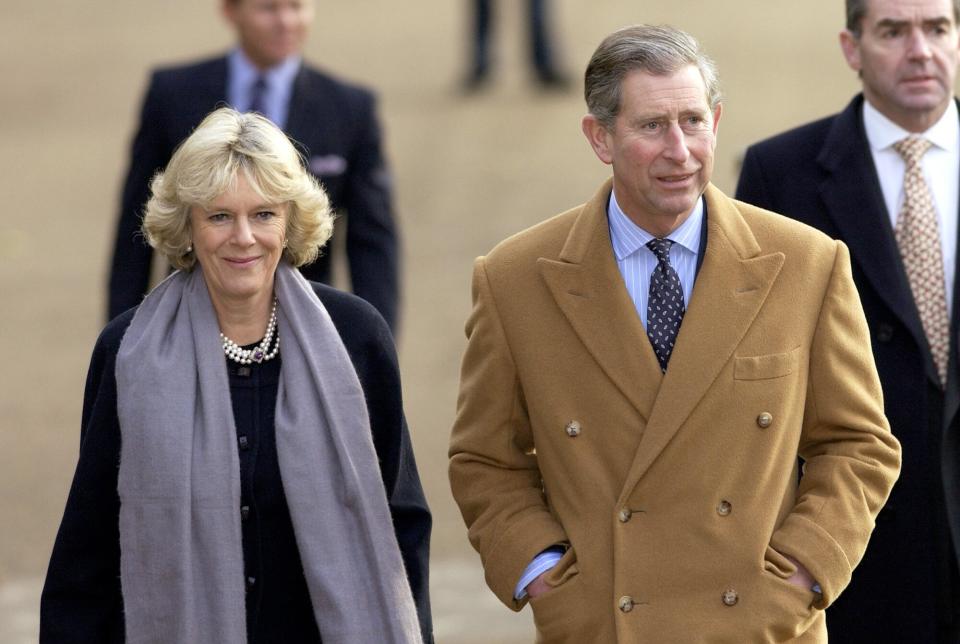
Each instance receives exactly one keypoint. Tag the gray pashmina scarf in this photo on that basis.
(181, 561)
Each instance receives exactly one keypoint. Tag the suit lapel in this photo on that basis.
(729, 292)
(589, 290)
(854, 201)
(298, 127)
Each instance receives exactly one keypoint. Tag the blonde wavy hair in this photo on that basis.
(206, 165)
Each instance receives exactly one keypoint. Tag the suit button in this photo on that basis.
(573, 429)
(624, 515)
(765, 419)
(251, 581)
(626, 604)
(244, 512)
(724, 508)
(884, 332)
(244, 442)
(730, 597)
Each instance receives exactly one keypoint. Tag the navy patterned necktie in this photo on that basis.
(257, 92)
(665, 302)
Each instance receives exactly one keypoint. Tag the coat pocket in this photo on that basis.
(765, 367)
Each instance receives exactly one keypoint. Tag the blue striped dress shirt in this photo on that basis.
(636, 262)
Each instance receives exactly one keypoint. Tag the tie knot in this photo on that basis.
(660, 248)
(912, 149)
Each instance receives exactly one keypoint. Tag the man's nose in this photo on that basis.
(918, 48)
(676, 144)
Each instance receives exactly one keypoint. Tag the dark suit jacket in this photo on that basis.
(81, 600)
(336, 127)
(905, 589)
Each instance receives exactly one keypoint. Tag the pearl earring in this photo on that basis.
(189, 249)
(284, 243)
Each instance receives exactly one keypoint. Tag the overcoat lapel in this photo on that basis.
(853, 199)
(589, 289)
(730, 289)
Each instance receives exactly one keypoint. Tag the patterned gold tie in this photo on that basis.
(918, 236)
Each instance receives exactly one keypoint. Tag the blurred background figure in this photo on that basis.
(228, 490)
(542, 53)
(334, 123)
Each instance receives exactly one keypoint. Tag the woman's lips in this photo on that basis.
(240, 262)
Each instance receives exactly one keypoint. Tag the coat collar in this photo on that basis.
(731, 287)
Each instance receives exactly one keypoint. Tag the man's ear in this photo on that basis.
(598, 136)
(228, 10)
(850, 45)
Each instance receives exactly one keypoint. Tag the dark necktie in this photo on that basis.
(257, 92)
(665, 302)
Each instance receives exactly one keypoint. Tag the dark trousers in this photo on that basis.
(540, 53)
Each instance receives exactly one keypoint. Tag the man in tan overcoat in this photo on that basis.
(641, 375)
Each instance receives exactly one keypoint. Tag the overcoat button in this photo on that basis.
(730, 597)
(573, 429)
(624, 515)
(626, 604)
(765, 419)
(724, 508)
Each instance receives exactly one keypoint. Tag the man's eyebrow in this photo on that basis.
(884, 23)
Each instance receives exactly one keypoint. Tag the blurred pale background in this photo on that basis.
(468, 171)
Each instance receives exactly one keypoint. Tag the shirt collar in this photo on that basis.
(243, 73)
(627, 237)
(882, 133)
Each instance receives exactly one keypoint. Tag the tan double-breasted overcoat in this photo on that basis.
(677, 493)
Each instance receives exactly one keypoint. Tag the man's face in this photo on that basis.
(661, 147)
(270, 30)
(907, 58)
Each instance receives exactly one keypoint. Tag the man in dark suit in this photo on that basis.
(334, 124)
(851, 176)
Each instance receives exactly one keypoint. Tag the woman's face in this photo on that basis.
(238, 240)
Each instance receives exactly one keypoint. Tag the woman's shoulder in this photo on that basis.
(112, 334)
(362, 329)
(349, 312)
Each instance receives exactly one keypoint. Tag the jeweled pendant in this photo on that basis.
(258, 356)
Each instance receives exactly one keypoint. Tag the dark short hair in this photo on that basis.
(857, 9)
(658, 50)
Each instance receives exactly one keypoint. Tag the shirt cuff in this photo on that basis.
(540, 564)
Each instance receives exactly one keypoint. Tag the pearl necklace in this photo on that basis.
(259, 353)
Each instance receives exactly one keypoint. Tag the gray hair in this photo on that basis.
(206, 165)
(857, 9)
(657, 50)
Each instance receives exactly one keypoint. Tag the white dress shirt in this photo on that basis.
(941, 170)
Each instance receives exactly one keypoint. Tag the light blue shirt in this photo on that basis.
(242, 74)
(636, 262)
